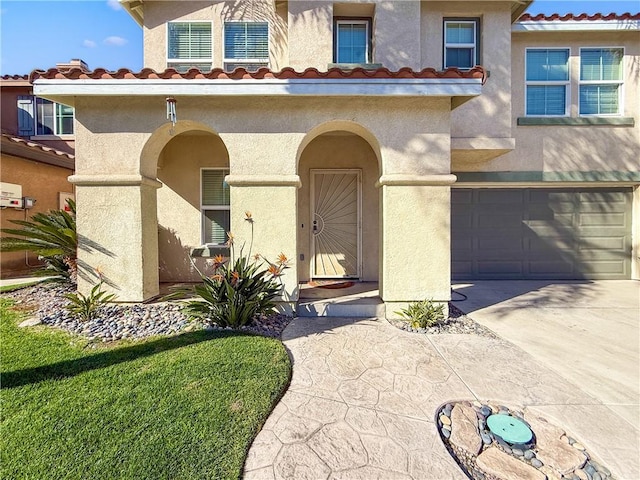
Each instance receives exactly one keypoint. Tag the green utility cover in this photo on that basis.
(509, 428)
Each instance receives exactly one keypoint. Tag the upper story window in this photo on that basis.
(352, 41)
(41, 117)
(189, 45)
(216, 214)
(601, 81)
(461, 43)
(547, 81)
(53, 118)
(246, 44)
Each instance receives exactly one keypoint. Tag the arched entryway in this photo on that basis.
(339, 204)
(193, 205)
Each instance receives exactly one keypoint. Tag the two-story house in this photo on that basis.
(37, 154)
(394, 142)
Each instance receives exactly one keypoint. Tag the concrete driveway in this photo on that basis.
(588, 332)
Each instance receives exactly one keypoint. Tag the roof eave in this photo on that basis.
(135, 9)
(65, 91)
(518, 7)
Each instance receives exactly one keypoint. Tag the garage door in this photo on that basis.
(541, 233)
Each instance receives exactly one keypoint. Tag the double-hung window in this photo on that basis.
(214, 206)
(352, 42)
(246, 44)
(601, 81)
(189, 45)
(461, 43)
(547, 81)
(38, 116)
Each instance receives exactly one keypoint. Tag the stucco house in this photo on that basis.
(405, 143)
(36, 148)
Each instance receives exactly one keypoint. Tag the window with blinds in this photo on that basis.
(601, 81)
(352, 41)
(189, 45)
(214, 199)
(461, 46)
(547, 82)
(246, 44)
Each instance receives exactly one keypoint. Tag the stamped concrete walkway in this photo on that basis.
(363, 397)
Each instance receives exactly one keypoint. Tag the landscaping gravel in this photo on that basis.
(46, 304)
(457, 323)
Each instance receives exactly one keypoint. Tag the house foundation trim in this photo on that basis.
(114, 180)
(406, 180)
(264, 180)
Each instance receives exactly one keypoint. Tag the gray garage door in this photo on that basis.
(541, 233)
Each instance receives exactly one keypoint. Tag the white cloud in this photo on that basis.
(115, 4)
(89, 44)
(115, 41)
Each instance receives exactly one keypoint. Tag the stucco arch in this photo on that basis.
(161, 137)
(341, 125)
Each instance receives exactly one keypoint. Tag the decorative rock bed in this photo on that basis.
(46, 305)
(483, 445)
(457, 323)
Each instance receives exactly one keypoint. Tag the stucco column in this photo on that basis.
(272, 202)
(118, 234)
(635, 235)
(416, 239)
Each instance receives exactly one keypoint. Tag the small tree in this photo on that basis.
(52, 236)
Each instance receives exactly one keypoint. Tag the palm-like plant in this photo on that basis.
(52, 236)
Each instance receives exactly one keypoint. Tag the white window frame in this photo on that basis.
(620, 83)
(189, 61)
(204, 208)
(356, 21)
(55, 135)
(474, 46)
(566, 83)
(241, 61)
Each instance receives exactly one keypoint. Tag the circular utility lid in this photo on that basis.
(510, 429)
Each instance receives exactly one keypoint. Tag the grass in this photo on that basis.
(12, 288)
(183, 407)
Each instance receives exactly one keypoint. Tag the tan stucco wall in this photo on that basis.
(40, 181)
(264, 138)
(489, 114)
(310, 34)
(156, 14)
(571, 148)
(341, 152)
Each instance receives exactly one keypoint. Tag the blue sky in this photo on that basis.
(41, 33)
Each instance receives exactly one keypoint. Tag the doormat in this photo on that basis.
(331, 284)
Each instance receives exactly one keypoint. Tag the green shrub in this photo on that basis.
(52, 236)
(85, 307)
(235, 294)
(423, 314)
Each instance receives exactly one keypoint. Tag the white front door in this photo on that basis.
(335, 219)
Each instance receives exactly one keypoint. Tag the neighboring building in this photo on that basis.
(37, 158)
(365, 142)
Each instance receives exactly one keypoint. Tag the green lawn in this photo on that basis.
(184, 407)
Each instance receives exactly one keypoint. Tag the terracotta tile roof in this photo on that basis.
(66, 159)
(15, 77)
(262, 73)
(541, 17)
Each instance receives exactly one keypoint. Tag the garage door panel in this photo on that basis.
(500, 267)
(559, 267)
(500, 197)
(461, 196)
(542, 233)
(601, 219)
